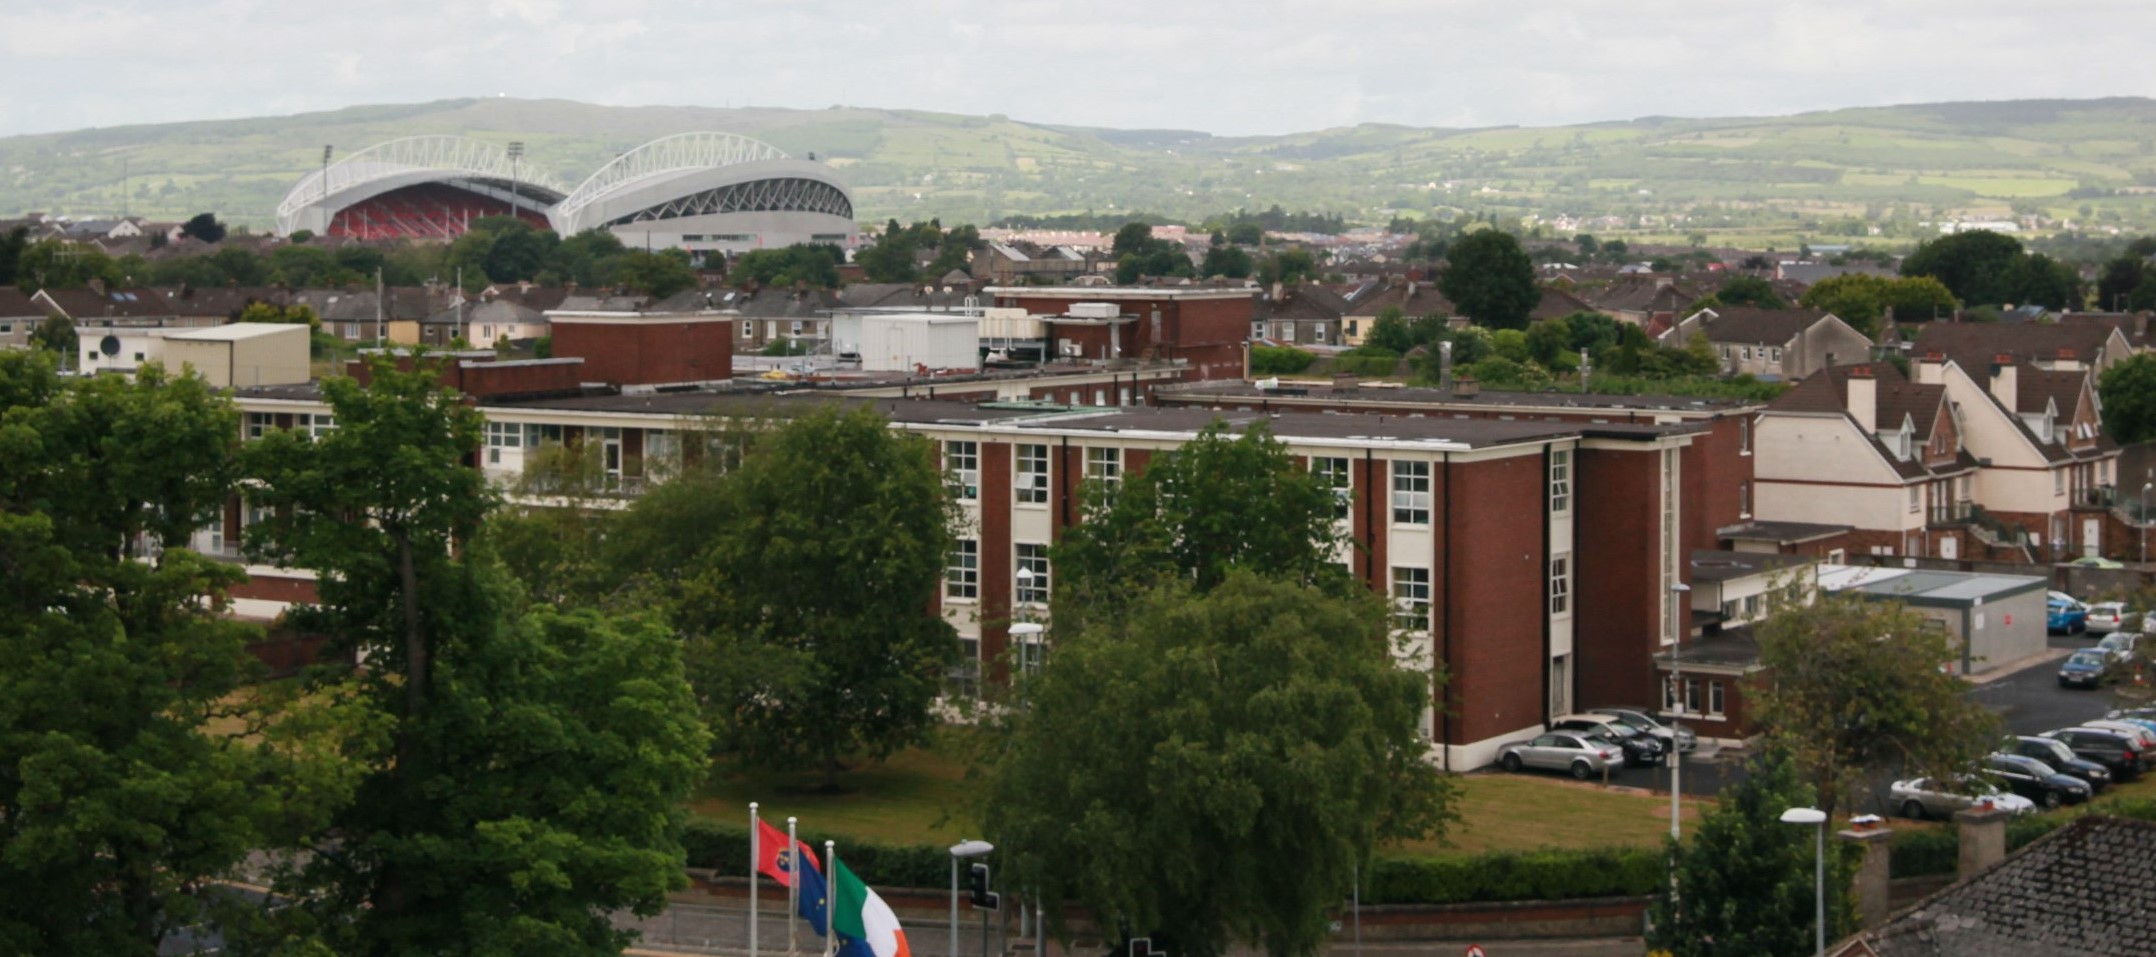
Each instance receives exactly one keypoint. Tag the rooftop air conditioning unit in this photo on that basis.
(1069, 349)
(1095, 310)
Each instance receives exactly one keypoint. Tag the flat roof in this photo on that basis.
(1105, 293)
(1781, 533)
(1299, 390)
(237, 331)
(1926, 586)
(1712, 565)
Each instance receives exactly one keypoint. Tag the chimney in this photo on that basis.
(1983, 837)
(2005, 381)
(1931, 368)
(1465, 387)
(1444, 364)
(97, 285)
(2141, 325)
(1864, 398)
(1870, 888)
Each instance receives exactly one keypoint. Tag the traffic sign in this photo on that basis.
(1475, 950)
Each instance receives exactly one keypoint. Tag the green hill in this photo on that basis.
(1841, 172)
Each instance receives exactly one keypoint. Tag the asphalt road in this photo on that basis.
(2031, 700)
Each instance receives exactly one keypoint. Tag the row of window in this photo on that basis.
(258, 424)
(962, 461)
(1029, 573)
(1713, 704)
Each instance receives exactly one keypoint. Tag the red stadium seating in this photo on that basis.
(425, 211)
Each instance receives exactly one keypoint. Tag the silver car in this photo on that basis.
(1921, 798)
(1645, 720)
(1579, 754)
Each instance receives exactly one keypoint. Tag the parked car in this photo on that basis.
(1640, 747)
(2121, 645)
(1645, 720)
(2084, 668)
(2095, 561)
(2037, 781)
(2062, 758)
(1579, 754)
(2118, 753)
(1922, 798)
(2143, 735)
(2138, 721)
(2064, 615)
(2133, 713)
(2106, 617)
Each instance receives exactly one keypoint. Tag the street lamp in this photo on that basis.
(516, 152)
(1677, 604)
(2144, 523)
(1815, 817)
(958, 850)
(1027, 636)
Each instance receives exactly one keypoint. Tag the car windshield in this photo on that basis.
(2046, 746)
(1630, 720)
(2087, 658)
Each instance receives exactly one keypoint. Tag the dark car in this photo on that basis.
(2036, 780)
(1641, 749)
(2084, 668)
(2061, 758)
(2118, 753)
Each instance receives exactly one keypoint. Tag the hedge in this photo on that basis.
(1279, 360)
(1921, 853)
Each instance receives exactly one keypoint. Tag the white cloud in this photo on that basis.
(1255, 66)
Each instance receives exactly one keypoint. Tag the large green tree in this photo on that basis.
(134, 772)
(1212, 768)
(1859, 687)
(1746, 882)
(1978, 266)
(1490, 279)
(1749, 291)
(2129, 394)
(1220, 502)
(537, 759)
(802, 588)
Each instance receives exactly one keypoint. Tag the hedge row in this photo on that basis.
(1279, 360)
(1922, 853)
(1530, 876)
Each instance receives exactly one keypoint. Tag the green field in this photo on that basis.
(1892, 165)
(921, 795)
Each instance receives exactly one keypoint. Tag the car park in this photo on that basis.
(1924, 798)
(2061, 758)
(2106, 617)
(1579, 755)
(2064, 615)
(1646, 720)
(2084, 668)
(1640, 747)
(2118, 753)
(2037, 781)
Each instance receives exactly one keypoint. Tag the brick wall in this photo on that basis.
(1492, 594)
(1618, 579)
(649, 351)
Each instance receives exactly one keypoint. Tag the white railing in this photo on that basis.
(664, 155)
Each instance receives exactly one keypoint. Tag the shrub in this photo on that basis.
(1367, 361)
(1505, 876)
(1278, 360)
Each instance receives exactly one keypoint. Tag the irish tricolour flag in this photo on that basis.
(864, 922)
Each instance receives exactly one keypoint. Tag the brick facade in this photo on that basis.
(647, 350)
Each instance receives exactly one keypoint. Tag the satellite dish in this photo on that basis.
(110, 345)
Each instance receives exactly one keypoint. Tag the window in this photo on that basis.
(662, 453)
(2058, 482)
(502, 435)
(1032, 484)
(1744, 436)
(538, 435)
(320, 424)
(1775, 355)
(1560, 481)
(1744, 499)
(962, 462)
(1746, 352)
(1916, 498)
(1560, 585)
(259, 424)
(1332, 473)
(1691, 695)
(1411, 599)
(963, 578)
(1032, 652)
(1714, 698)
(1032, 588)
(1103, 464)
(1410, 493)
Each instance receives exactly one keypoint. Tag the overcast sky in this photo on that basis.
(1249, 66)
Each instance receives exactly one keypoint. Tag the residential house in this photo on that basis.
(1558, 303)
(19, 317)
(1307, 314)
(1414, 299)
(1651, 302)
(1772, 344)
(1016, 261)
(2094, 346)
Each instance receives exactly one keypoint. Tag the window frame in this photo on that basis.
(1037, 593)
(962, 571)
(1409, 501)
(1560, 481)
(1025, 488)
(1411, 611)
(1336, 473)
(962, 463)
(1559, 598)
(1104, 464)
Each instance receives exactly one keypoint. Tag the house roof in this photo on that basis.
(1977, 345)
(1415, 299)
(1746, 325)
(1645, 295)
(2087, 889)
(1781, 533)
(15, 304)
(1557, 302)
(1310, 303)
(82, 304)
(1713, 565)
(1895, 399)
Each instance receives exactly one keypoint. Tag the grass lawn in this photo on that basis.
(920, 796)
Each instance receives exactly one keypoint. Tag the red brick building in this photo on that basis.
(638, 349)
(1204, 326)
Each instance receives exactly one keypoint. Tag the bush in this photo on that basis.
(1277, 360)
(1367, 361)
(786, 347)
(1919, 853)
(1536, 875)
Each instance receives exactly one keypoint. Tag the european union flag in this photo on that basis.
(813, 903)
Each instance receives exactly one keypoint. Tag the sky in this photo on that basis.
(1233, 68)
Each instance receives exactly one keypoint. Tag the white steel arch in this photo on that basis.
(667, 154)
(440, 155)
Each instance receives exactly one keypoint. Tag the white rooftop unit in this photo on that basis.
(1095, 310)
(906, 342)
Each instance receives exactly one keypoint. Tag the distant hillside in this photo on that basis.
(1829, 173)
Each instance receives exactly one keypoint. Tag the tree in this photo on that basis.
(815, 265)
(660, 274)
(122, 800)
(1861, 687)
(1222, 501)
(1490, 279)
(56, 334)
(1549, 342)
(2044, 281)
(1231, 261)
(2128, 389)
(1287, 266)
(1246, 234)
(2120, 277)
(509, 816)
(1389, 332)
(204, 227)
(1978, 266)
(1213, 767)
(1746, 882)
(1749, 291)
(12, 243)
(807, 637)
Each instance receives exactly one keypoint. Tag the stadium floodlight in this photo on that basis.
(516, 153)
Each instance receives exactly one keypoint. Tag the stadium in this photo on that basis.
(704, 192)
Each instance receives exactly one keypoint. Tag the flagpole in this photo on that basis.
(755, 862)
(830, 898)
(793, 892)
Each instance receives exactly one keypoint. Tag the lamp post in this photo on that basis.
(958, 850)
(1814, 817)
(1677, 593)
(2144, 523)
(516, 152)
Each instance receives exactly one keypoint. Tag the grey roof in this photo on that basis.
(1926, 587)
(1299, 391)
(2085, 890)
(1781, 533)
(1730, 648)
(1711, 565)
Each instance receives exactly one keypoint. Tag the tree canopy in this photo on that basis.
(1981, 267)
(1490, 279)
(2129, 398)
(1862, 300)
(1212, 767)
(205, 227)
